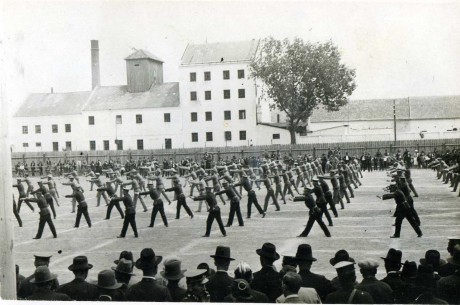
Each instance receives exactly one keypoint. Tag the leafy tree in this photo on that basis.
(300, 76)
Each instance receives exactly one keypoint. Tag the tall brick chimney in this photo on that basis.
(95, 73)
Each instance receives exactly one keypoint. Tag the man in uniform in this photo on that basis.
(52, 187)
(82, 207)
(321, 200)
(130, 213)
(48, 197)
(315, 213)
(112, 193)
(157, 205)
(328, 195)
(45, 216)
(177, 189)
(270, 193)
(137, 189)
(234, 204)
(214, 211)
(22, 195)
(252, 198)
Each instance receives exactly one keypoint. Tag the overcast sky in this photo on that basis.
(398, 49)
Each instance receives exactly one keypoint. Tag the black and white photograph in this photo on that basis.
(230, 151)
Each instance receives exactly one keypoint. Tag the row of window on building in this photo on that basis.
(225, 75)
(54, 128)
(207, 94)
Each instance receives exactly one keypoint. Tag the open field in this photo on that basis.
(363, 229)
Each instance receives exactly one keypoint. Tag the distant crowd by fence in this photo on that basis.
(195, 154)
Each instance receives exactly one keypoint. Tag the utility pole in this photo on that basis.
(394, 120)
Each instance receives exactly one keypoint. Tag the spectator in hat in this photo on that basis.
(306, 295)
(79, 289)
(43, 280)
(380, 291)
(289, 261)
(173, 273)
(209, 271)
(409, 272)
(196, 289)
(267, 279)
(220, 283)
(305, 259)
(347, 293)
(124, 272)
(340, 256)
(425, 285)
(449, 268)
(449, 287)
(130, 213)
(393, 277)
(148, 290)
(239, 291)
(27, 288)
(433, 258)
(108, 287)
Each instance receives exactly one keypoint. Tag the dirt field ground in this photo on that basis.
(363, 229)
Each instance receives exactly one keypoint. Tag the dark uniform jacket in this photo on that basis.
(44, 294)
(79, 290)
(109, 189)
(219, 286)
(380, 291)
(148, 290)
(79, 197)
(128, 202)
(342, 296)
(322, 285)
(267, 281)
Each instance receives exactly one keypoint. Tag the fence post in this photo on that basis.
(314, 152)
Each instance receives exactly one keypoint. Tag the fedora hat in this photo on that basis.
(393, 256)
(124, 266)
(209, 270)
(80, 263)
(128, 255)
(106, 279)
(455, 259)
(341, 256)
(148, 260)
(222, 252)
(409, 270)
(42, 274)
(268, 250)
(304, 253)
(172, 270)
(432, 257)
(289, 260)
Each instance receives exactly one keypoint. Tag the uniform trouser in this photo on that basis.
(454, 178)
(53, 193)
(323, 208)
(112, 204)
(158, 208)
(279, 192)
(311, 220)
(84, 211)
(136, 197)
(200, 203)
(287, 188)
(235, 208)
(270, 194)
(16, 214)
(181, 202)
(343, 192)
(41, 225)
(130, 219)
(92, 185)
(295, 186)
(51, 204)
(448, 177)
(192, 187)
(331, 202)
(103, 194)
(352, 195)
(356, 178)
(300, 178)
(411, 186)
(20, 200)
(214, 214)
(337, 198)
(252, 199)
(399, 219)
(161, 190)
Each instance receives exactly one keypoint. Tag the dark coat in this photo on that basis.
(341, 296)
(449, 288)
(79, 290)
(177, 293)
(219, 286)
(148, 290)
(256, 297)
(380, 291)
(44, 294)
(399, 287)
(267, 281)
(322, 285)
(27, 288)
(447, 269)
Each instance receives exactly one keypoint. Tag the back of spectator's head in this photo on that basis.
(368, 267)
(292, 282)
(346, 273)
(286, 269)
(243, 271)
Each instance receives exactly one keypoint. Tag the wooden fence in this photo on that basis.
(353, 148)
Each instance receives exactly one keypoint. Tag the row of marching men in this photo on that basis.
(447, 173)
(221, 179)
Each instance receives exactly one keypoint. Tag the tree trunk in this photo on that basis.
(292, 133)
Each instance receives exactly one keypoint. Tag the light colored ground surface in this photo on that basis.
(363, 229)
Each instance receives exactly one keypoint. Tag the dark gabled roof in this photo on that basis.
(118, 97)
(414, 108)
(219, 52)
(142, 54)
(53, 104)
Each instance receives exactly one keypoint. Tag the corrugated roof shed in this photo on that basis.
(142, 54)
(118, 97)
(214, 52)
(53, 104)
(439, 107)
